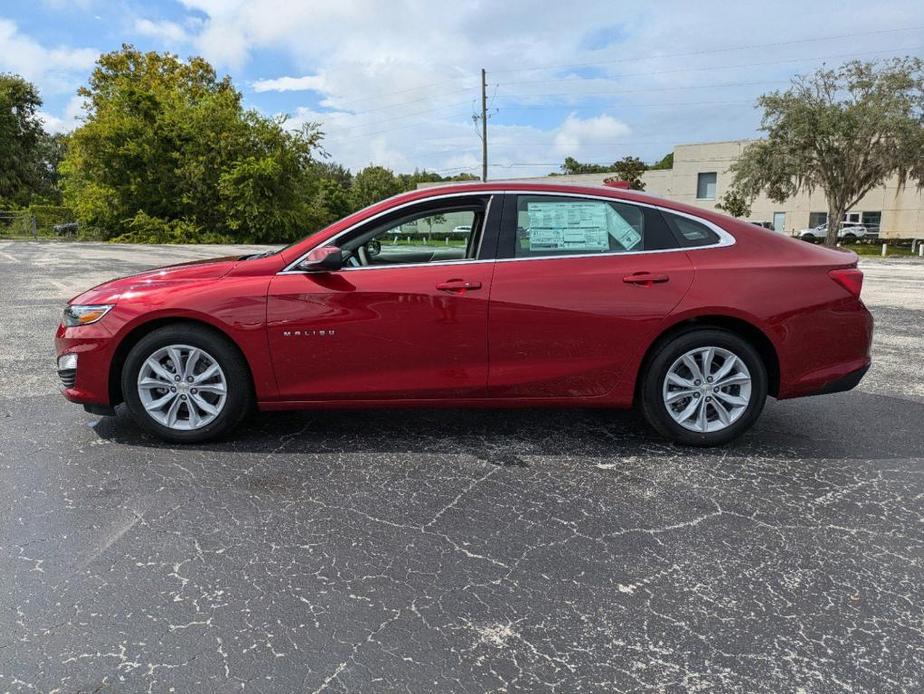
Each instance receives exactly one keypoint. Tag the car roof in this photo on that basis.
(553, 187)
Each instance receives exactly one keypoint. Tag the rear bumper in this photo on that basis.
(827, 351)
(848, 381)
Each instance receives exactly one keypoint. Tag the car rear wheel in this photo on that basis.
(808, 237)
(704, 388)
(849, 238)
(186, 384)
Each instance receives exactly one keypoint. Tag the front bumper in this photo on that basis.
(88, 383)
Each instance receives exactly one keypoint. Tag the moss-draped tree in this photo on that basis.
(843, 131)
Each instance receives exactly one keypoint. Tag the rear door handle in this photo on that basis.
(457, 286)
(645, 279)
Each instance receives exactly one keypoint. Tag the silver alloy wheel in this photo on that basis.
(182, 387)
(707, 389)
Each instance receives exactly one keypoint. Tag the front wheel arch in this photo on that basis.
(742, 328)
(138, 332)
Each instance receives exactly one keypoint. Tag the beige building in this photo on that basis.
(700, 177)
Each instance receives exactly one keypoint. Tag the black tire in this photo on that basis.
(849, 238)
(239, 399)
(652, 401)
(808, 237)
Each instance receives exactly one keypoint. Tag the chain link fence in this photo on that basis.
(39, 222)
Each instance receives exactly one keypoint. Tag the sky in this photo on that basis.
(397, 82)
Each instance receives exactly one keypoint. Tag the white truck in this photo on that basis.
(848, 233)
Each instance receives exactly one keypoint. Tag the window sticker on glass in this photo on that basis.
(567, 226)
(626, 234)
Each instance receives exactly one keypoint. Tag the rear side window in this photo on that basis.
(690, 232)
(559, 226)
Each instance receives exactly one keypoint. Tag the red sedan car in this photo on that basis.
(489, 295)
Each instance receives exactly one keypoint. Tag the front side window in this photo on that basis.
(560, 226)
(872, 220)
(817, 219)
(705, 185)
(440, 234)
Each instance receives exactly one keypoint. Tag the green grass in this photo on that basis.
(875, 249)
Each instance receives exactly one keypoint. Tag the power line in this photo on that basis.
(634, 59)
(578, 81)
(852, 54)
(352, 135)
(709, 51)
(662, 104)
(430, 111)
(558, 164)
(720, 85)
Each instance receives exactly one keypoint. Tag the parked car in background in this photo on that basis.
(763, 224)
(560, 296)
(462, 229)
(848, 233)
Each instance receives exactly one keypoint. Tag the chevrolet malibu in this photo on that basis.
(554, 296)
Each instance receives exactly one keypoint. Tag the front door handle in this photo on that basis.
(457, 286)
(645, 279)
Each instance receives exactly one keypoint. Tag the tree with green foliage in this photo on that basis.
(666, 162)
(629, 169)
(844, 131)
(410, 181)
(373, 184)
(328, 170)
(331, 202)
(735, 203)
(572, 167)
(168, 153)
(29, 154)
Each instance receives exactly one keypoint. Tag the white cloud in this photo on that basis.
(396, 83)
(53, 69)
(70, 120)
(575, 134)
(290, 84)
(400, 82)
(170, 33)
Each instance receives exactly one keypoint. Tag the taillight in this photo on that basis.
(849, 278)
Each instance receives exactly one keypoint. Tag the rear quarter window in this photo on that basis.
(689, 232)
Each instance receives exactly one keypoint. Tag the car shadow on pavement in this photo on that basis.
(846, 425)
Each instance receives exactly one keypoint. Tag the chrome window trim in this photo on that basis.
(725, 238)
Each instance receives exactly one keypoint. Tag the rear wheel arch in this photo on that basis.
(140, 331)
(740, 327)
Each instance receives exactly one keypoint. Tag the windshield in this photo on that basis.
(265, 254)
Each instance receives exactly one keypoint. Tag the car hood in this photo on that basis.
(110, 292)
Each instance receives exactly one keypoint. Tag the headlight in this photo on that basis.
(84, 315)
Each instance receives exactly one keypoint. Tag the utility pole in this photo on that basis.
(484, 126)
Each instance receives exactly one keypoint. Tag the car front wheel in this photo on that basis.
(186, 384)
(704, 388)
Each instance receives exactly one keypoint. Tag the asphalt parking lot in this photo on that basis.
(456, 550)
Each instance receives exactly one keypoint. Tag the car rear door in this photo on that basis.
(411, 323)
(580, 287)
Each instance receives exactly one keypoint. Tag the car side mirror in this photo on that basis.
(324, 259)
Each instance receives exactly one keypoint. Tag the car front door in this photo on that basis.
(580, 285)
(405, 318)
